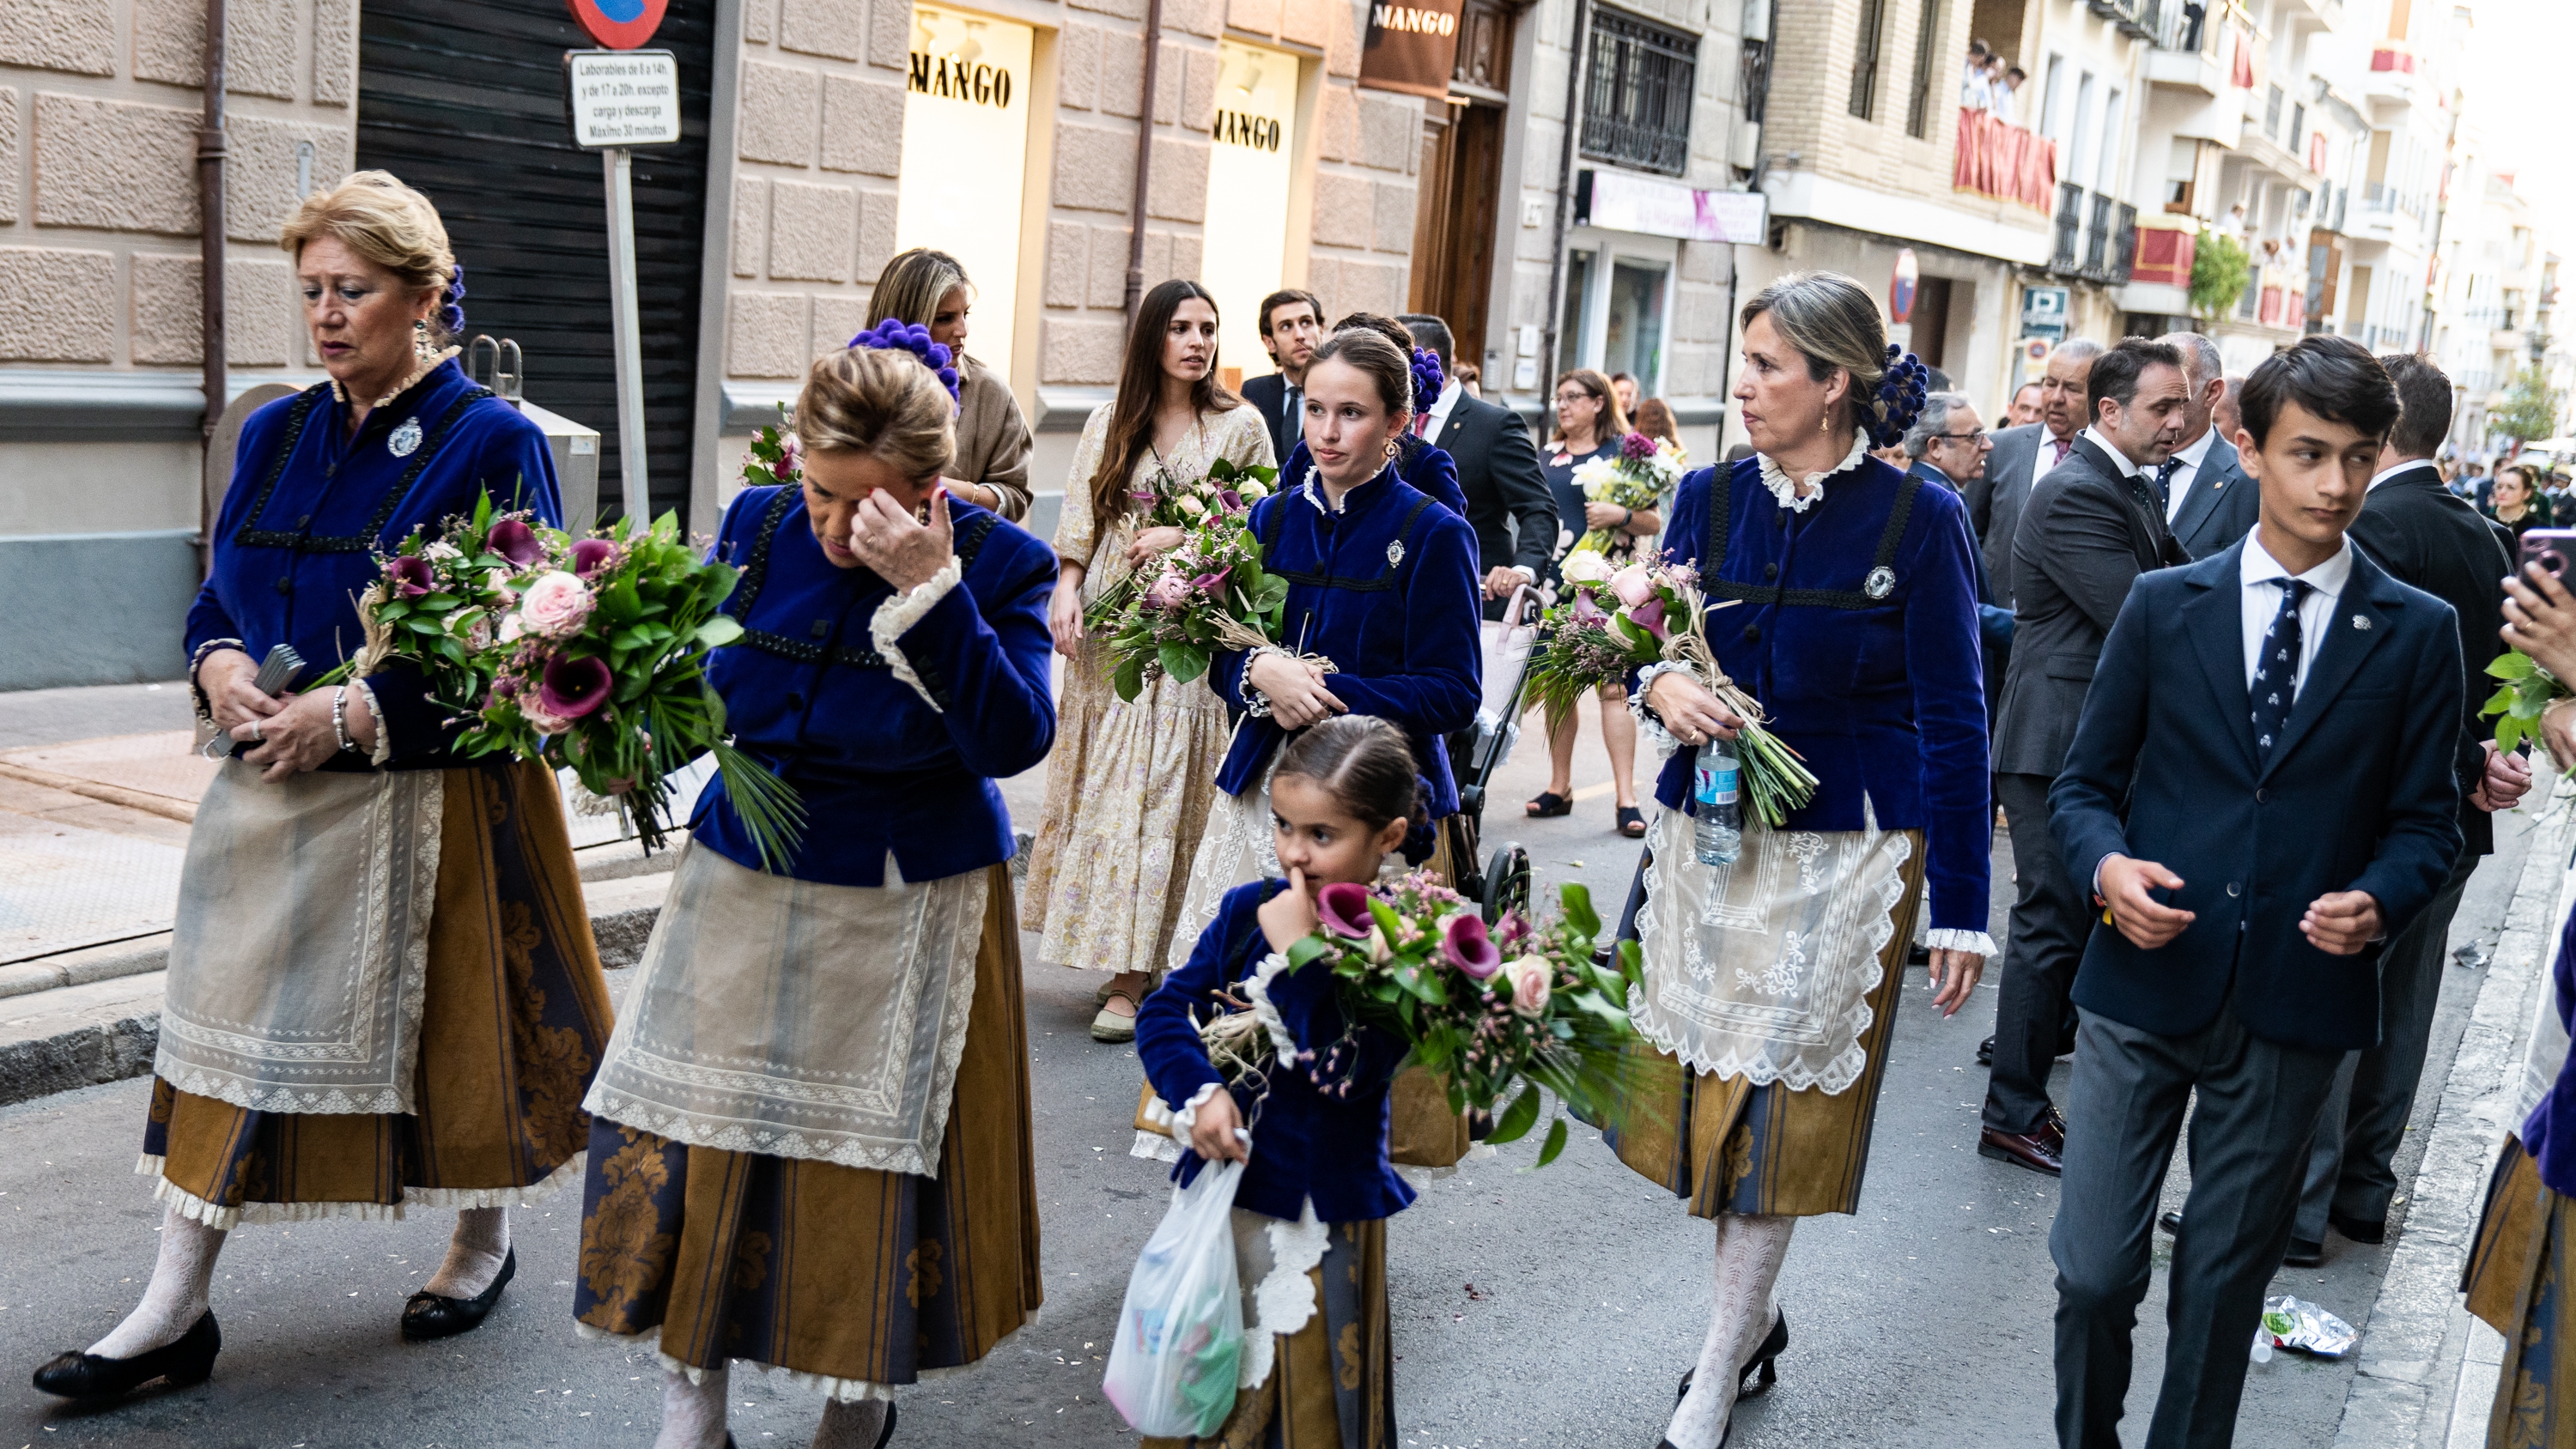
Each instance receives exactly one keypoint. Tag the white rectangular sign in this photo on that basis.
(622, 97)
(1618, 201)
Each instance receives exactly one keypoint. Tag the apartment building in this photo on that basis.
(2489, 278)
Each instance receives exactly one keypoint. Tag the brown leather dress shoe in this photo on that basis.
(2042, 1150)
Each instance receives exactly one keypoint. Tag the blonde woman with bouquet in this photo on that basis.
(1131, 782)
(1841, 595)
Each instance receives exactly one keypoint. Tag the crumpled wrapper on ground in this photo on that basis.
(2299, 1326)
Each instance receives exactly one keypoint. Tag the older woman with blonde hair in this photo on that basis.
(383, 995)
(811, 1148)
(929, 289)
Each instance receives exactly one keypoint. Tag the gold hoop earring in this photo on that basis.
(1393, 447)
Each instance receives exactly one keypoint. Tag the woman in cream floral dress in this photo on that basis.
(1130, 784)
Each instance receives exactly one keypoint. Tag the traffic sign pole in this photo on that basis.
(618, 165)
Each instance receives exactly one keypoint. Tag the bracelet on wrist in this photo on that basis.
(340, 720)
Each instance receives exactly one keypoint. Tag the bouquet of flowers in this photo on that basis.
(1644, 470)
(1494, 1015)
(1612, 622)
(776, 457)
(1228, 490)
(1207, 594)
(587, 653)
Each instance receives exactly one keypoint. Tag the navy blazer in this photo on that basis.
(880, 768)
(1426, 467)
(1304, 1144)
(1269, 393)
(2358, 794)
(1386, 589)
(2220, 506)
(1884, 696)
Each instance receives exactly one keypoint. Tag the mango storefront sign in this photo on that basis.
(965, 159)
(1248, 180)
(1410, 48)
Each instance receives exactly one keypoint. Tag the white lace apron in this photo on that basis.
(299, 959)
(795, 1019)
(1762, 969)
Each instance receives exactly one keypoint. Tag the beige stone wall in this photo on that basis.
(99, 108)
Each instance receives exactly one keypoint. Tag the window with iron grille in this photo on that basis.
(1637, 96)
(1864, 91)
(1927, 40)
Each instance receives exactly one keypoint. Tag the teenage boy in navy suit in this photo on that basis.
(2261, 791)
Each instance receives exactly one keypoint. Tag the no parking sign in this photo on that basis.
(618, 24)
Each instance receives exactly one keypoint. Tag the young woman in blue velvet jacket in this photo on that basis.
(1842, 597)
(1382, 583)
(1317, 1186)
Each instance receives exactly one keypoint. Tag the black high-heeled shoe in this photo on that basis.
(429, 1316)
(1760, 1367)
(188, 1360)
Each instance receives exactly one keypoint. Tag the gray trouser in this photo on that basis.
(2256, 1108)
(2050, 922)
(2351, 1163)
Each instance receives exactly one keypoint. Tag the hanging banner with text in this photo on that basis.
(622, 97)
(1411, 48)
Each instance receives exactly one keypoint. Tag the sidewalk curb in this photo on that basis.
(2396, 1388)
(107, 1028)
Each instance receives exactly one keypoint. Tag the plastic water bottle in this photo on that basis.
(1718, 834)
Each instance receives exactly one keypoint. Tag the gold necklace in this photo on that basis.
(404, 386)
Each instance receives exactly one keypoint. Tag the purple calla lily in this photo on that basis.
(590, 555)
(516, 542)
(573, 688)
(1464, 942)
(1344, 909)
(410, 575)
(1649, 616)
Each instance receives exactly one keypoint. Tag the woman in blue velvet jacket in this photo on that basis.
(1842, 597)
(827, 1066)
(1317, 1186)
(1382, 585)
(1423, 466)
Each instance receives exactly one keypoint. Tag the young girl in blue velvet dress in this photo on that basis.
(1317, 1186)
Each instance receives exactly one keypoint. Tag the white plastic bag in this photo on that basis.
(1180, 1332)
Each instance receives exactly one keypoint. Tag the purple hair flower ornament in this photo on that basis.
(1428, 380)
(895, 335)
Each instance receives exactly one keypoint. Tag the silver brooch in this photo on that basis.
(1880, 583)
(406, 439)
(2360, 622)
(1395, 553)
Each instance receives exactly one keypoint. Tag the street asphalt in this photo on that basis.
(1549, 1307)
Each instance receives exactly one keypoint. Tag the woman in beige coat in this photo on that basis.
(929, 289)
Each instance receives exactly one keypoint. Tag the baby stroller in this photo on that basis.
(1478, 751)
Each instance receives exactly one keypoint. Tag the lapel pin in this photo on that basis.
(1395, 553)
(2360, 621)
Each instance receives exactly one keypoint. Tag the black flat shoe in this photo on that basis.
(1632, 822)
(189, 1360)
(1550, 805)
(887, 1432)
(430, 1315)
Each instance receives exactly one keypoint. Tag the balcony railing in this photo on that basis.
(2070, 226)
(2169, 25)
(2096, 236)
(2129, 14)
(2008, 163)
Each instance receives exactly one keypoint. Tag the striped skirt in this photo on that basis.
(514, 1016)
(852, 1281)
(1331, 1383)
(2520, 1269)
(1728, 1146)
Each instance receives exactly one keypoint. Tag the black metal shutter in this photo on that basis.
(463, 99)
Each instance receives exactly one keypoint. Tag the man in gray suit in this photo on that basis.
(2209, 502)
(2023, 455)
(2089, 528)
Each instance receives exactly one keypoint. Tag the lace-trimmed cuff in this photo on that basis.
(897, 615)
(1975, 943)
(1650, 726)
(384, 749)
(1186, 1116)
(1255, 703)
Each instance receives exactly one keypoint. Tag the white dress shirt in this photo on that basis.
(2263, 601)
(2410, 465)
(2044, 457)
(1450, 392)
(2127, 468)
(2179, 485)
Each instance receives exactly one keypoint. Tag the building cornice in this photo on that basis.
(1812, 196)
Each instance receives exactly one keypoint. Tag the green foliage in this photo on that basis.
(2530, 410)
(2528, 689)
(2220, 270)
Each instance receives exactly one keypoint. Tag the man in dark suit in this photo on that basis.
(1948, 445)
(2262, 786)
(2090, 527)
(2209, 502)
(1497, 471)
(2024, 454)
(2425, 535)
(1292, 327)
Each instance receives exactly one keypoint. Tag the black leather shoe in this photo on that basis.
(1986, 1052)
(189, 1360)
(2304, 1254)
(2170, 1222)
(2042, 1150)
(432, 1315)
(2358, 1229)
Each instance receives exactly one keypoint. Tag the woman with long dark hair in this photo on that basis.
(928, 289)
(1129, 787)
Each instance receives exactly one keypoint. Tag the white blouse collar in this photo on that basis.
(1787, 492)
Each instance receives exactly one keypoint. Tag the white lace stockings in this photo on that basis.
(474, 1255)
(693, 1414)
(852, 1423)
(176, 1297)
(1750, 1249)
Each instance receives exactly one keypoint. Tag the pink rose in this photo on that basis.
(516, 542)
(1464, 942)
(556, 605)
(1530, 979)
(1344, 909)
(540, 721)
(1634, 584)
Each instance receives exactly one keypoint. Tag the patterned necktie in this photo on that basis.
(2276, 667)
(2164, 483)
(2064, 447)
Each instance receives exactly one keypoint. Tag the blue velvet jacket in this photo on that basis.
(880, 768)
(1855, 625)
(2543, 1132)
(1386, 589)
(1304, 1143)
(294, 543)
(1424, 465)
